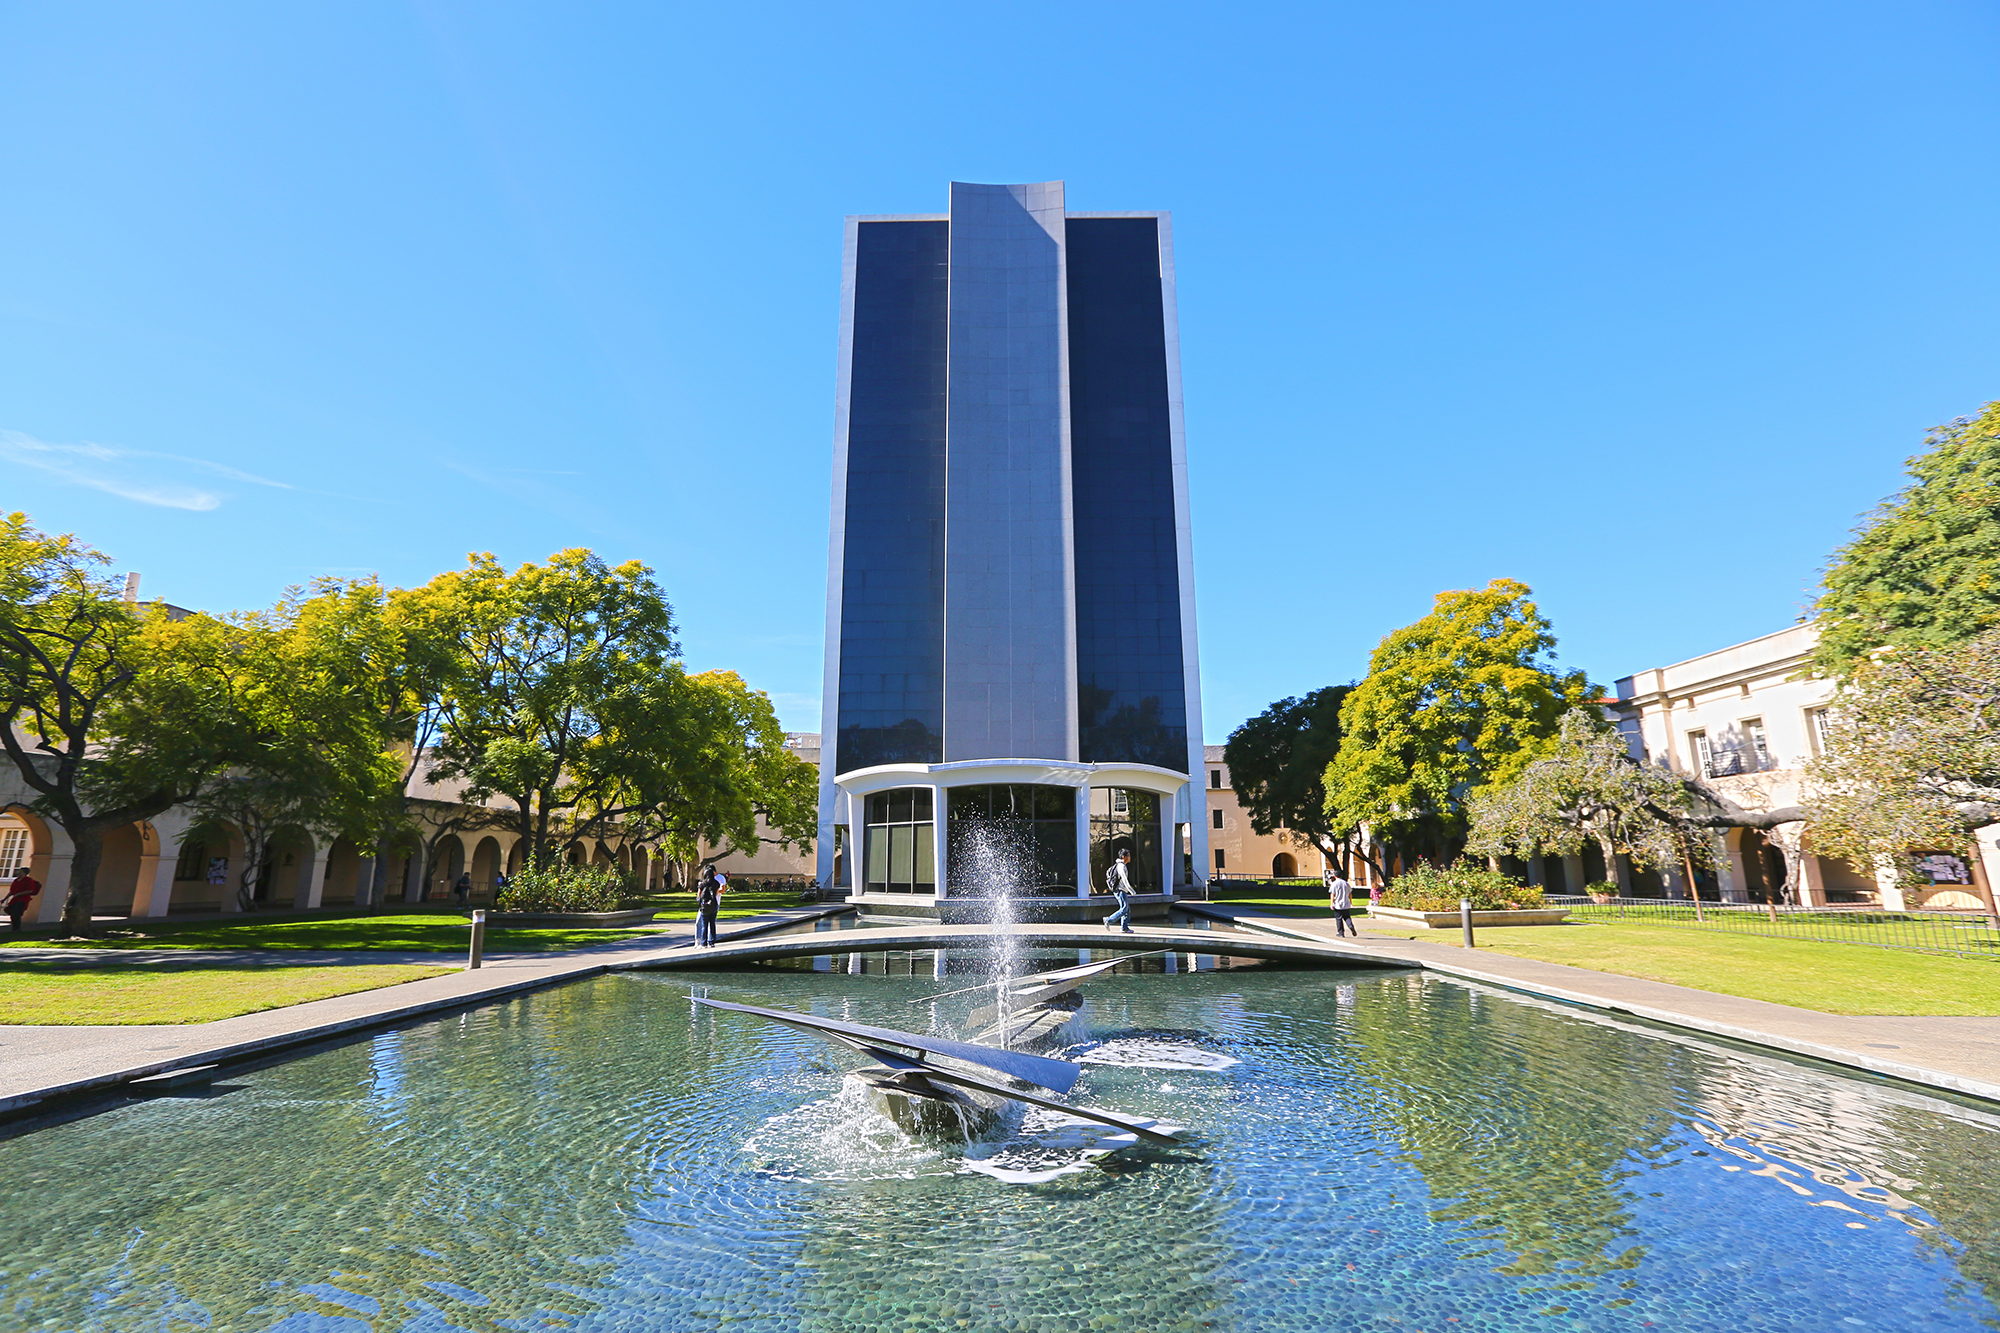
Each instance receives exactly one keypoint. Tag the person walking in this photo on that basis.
(19, 894)
(462, 890)
(1119, 880)
(707, 898)
(1340, 901)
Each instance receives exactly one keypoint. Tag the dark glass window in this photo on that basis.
(1036, 830)
(1131, 691)
(900, 856)
(1123, 819)
(892, 565)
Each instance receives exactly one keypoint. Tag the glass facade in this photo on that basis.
(891, 707)
(1131, 690)
(900, 855)
(1039, 822)
(1126, 819)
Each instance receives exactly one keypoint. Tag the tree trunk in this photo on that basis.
(378, 880)
(87, 839)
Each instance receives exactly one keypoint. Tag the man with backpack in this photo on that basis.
(1119, 881)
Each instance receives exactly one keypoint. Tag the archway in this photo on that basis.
(447, 862)
(1284, 866)
(486, 861)
(343, 873)
(118, 871)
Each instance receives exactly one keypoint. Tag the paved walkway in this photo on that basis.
(1961, 1054)
(38, 1063)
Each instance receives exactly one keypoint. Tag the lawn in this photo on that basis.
(439, 931)
(38, 992)
(1831, 978)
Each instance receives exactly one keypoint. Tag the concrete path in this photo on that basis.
(38, 1063)
(1959, 1054)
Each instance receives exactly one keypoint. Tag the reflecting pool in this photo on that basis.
(1375, 1151)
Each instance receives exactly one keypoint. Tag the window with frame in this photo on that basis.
(1700, 757)
(899, 853)
(1216, 815)
(1819, 727)
(1215, 778)
(1218, 858)
(192, 863)
(1760, 745)
(14, 851)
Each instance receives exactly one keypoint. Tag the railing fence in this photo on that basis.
(1960, 934)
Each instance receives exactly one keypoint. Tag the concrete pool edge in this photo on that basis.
(1421, 953)
(518, 974)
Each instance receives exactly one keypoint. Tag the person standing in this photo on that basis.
(462, 890)
(1119, 880)
(1340, 901)
(19, 894)
(707, 897)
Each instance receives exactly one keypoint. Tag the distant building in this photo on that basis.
(1748, 719)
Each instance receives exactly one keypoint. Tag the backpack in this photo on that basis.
(1111, 878)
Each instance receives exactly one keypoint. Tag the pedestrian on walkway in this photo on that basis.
(19, 894)
(1119, 880)
(463, 889)
(1340, 901)
(707, 898)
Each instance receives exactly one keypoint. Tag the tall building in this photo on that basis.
(1010, 593)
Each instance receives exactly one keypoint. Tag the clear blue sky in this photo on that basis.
(1641, 304)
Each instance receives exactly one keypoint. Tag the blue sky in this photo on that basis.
(1641, 304)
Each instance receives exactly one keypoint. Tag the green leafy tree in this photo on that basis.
(1464, 698)
(1912, 758)
(304, 699)
(72, 651)
(1588, 787)
(543, 661)
(1924, 569)
(1277, 767)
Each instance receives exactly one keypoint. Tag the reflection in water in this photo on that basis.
(1373, 1151)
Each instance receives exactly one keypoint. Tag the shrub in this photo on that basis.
(1426, 888)
(562, 888)
(1603, 888)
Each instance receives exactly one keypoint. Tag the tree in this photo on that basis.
(542, 660)
(1912, 757)
(1464, 698)
(1587, 786)
(306, 701)
(726, 777)
(1277, 767)
(1924, 569)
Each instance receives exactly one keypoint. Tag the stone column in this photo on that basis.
(1729, 866)
(413, 877)
(1812, 881)
(940, 832)
(312, 878)
(1621, 874)
(156, 883)
(1889, 885)
(1167, 849)
(52, 869)
(1083, 841)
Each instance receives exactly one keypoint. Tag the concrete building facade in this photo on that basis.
(1010, 595)
(1749, 719)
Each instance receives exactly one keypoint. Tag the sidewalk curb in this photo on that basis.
(1833, 1055)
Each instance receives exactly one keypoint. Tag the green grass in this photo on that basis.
(1831, 978)
(38, 992)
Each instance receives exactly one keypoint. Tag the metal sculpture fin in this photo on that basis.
(1055, 1075)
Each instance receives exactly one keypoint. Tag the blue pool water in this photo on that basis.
(1373, 1151)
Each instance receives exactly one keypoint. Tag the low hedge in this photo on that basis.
(1427, 888)
(562, 888)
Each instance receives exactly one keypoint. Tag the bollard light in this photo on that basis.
(1465, 919)
(476, 953)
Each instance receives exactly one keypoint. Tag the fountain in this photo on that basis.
(908, 1080)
